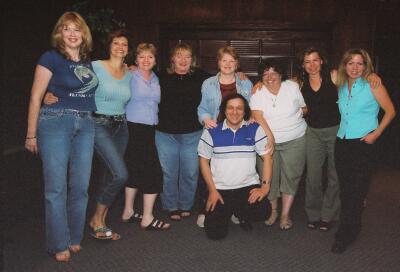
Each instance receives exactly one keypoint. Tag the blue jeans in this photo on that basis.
(180, 165)
(111, 138)
(65, 140)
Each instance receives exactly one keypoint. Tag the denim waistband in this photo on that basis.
(115, 118)
(67, 111)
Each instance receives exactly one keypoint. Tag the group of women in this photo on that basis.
(157, 119)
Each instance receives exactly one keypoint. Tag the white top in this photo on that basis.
(283, 111)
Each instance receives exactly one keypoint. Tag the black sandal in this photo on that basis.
(312, 225)
(324, 226)
(175, 215)
(136, 217)
(157, 224)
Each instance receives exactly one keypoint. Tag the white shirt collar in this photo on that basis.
(225, 125)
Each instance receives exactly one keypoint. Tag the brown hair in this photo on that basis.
(118, 33)
(303, 75)
(57, 40)
(348, 55)
(175, 50)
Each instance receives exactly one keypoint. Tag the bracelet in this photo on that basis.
(30, 138)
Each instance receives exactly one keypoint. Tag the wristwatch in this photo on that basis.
(265, 182)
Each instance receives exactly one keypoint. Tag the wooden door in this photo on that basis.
(253, 41)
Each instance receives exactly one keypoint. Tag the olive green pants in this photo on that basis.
(288, 166)
(321, 202)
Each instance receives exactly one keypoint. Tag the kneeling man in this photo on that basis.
(227, 161)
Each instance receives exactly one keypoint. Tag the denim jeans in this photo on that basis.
(180, 165)
(65, 140)
(110, 140)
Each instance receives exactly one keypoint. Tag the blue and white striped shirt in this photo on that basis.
(233, 154)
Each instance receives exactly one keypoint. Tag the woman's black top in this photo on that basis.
(180, 97)
(323, 110)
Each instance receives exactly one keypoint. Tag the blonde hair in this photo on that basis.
(146, 47)
(230, 51)
(56, 36)
(342, 76)
(179, 48)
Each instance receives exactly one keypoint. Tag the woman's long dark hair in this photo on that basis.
(302, 75)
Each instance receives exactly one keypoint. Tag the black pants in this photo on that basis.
(353, 160)
(202, 194)
(236, 202)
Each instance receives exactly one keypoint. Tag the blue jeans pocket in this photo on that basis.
(49, 115)
(101, 121)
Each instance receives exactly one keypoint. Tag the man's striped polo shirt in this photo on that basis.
(233, 154)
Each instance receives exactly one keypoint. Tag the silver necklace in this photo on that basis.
(274, 101)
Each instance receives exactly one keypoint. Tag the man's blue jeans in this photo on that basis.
(65, 140)
(111, 138)
(180, 165)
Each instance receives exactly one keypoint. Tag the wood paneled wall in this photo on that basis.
(353, 21)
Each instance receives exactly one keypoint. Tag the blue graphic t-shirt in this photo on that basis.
(74, 83)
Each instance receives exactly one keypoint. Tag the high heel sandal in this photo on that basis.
(136, 217)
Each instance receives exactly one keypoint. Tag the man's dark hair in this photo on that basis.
(222, 108)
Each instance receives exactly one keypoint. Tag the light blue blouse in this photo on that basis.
(358, 110)
(145, 97)
(112, 94)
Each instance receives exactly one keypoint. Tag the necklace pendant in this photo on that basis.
(273, 105)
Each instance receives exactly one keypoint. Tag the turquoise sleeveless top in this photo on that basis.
(358, 110)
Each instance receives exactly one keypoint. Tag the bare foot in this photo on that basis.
(63, 256)
(75, 248)
(186, 213)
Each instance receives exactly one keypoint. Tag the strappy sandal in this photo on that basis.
(136, 217)
(324, 226)
(313, 225)
(175, 215)
(272, 218)
(63, 256)
(157, 224)
(104, 233)
(285, 223)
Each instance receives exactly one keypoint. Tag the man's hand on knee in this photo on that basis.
(212, 200)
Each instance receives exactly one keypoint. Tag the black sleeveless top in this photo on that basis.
(323, 111)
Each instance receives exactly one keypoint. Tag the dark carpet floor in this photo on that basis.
(185, 247)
